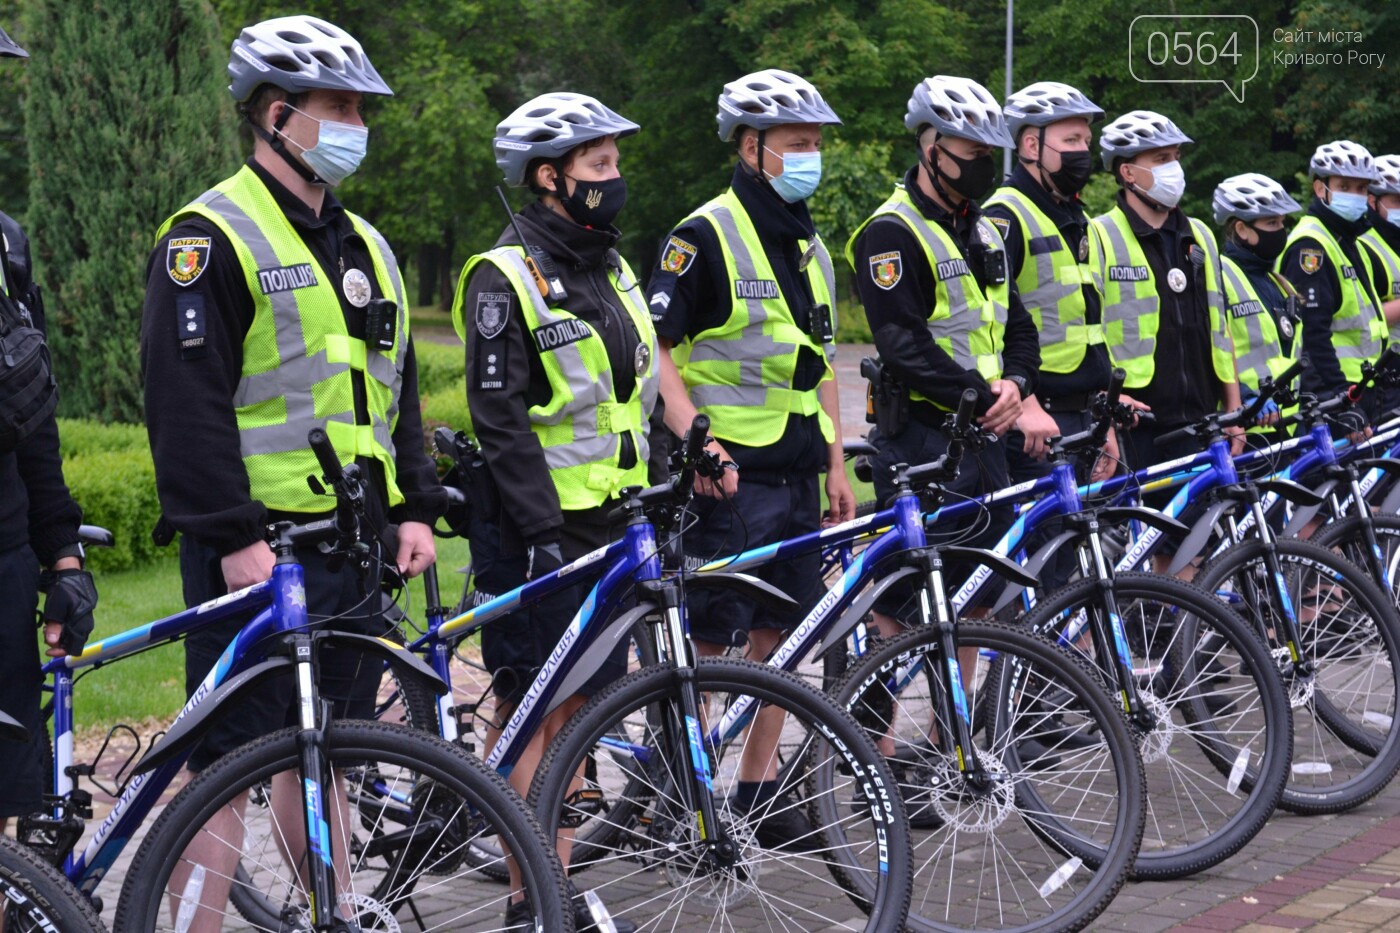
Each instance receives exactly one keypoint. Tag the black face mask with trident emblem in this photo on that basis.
(593, 203)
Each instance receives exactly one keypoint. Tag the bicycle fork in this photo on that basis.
(314, 778)
(934, 611)
(1286, 621)
(1106, 625)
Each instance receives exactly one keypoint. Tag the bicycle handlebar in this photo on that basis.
(945, 468)
(1244, 416)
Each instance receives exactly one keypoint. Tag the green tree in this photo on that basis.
(126, 122)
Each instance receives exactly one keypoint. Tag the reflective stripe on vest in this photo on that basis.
(1258, 349)
(741, 373)
(1384, 254)
(1358, 327)
(298, 356)
(579, 427)
(966, 322)
(1132, 303)
(1051, 286)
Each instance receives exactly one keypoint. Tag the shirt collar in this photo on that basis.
(1059, 212)
(296, 210)
(771, 215)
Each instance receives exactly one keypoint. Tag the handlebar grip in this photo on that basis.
(1115, 385)
(1294, 370)
(966, 405)
(1188, 431)
(325, 454)
(695, 440)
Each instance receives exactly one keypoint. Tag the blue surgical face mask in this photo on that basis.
(802, 172)
(339, 149)
(1393, 217)
(1347, 206)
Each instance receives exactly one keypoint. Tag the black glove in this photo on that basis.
(543, 559)
(71, 600)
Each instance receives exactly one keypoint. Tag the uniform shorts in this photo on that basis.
(348, 678)
(516, 646)
(763, 511)
(980, 473)
(22, 777)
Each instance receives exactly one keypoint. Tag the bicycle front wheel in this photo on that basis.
(405, 810)
(36, 898)
(1213, 725)
(662, 869)
(1046, 840)
(1344, 687)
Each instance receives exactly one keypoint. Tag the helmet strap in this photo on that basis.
(935, 178)
(277, 142)
(1135, 189)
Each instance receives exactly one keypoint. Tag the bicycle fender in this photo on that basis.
(592, 659)
(1305, 513)
(1004, 567)
(1033, 567)
(189, 729)
(403, 662)
(11, 730)
(1391, 504)
(1293, 492)
(1122, 514)
(1200, 532)
(859, 609)
(750, 587)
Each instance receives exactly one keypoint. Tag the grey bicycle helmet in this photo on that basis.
(770, 98)
(957, 107)
(548, 127)
(1388, 175)
(1251, 196)
(9, 48)
(1138, 131)
(300, 53)
(1345, 158)
(1046, 102)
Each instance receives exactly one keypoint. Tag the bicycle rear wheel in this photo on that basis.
(1048, 841)
(412, 805)
(755, 885)
(36, 898)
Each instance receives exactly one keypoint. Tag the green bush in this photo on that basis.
(440, 367)
(77, 436)
(447, 406)
(117, 490)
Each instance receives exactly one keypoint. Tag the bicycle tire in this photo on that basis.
(1344, 536)
(441, 794)
(37, 897)
(974, 850)
(871, 844)
(1346, 728)
(1245, 741)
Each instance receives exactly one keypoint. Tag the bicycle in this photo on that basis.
(411, 802)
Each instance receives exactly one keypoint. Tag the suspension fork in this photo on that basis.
(1374, 559)
(315, 779)
(676, 651)
(1287, 620)
(1106, 626)
(935, 611)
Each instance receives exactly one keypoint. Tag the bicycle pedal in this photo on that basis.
(582, 803)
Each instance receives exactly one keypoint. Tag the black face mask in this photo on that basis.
(976, 176)
(1074, 171)
(593, 203)
(1270, 243)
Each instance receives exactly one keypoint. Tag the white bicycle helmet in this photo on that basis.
(548, 126)
(1388, 175)
(957, 107)
(1249, 197)
(300, 53)
(1345, 158)
(1138, 131)
(1046, 102)
(771, 98)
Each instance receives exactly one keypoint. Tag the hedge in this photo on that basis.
(109, 471)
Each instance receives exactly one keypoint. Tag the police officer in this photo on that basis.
(1383, 243)
(1043, 225)
(943, 307)
(1343, 325)
(1260, 305)
(1159, 276)
(561, 385)
(744, 294)
(38, 529)
(271, 310)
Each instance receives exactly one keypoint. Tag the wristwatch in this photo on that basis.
(1020, 385)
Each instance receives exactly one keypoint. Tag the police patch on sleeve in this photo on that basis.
(186, 258)
(1310, 260)
(678, 256)
(886, 269)
(1002, 224)
(492, 312)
